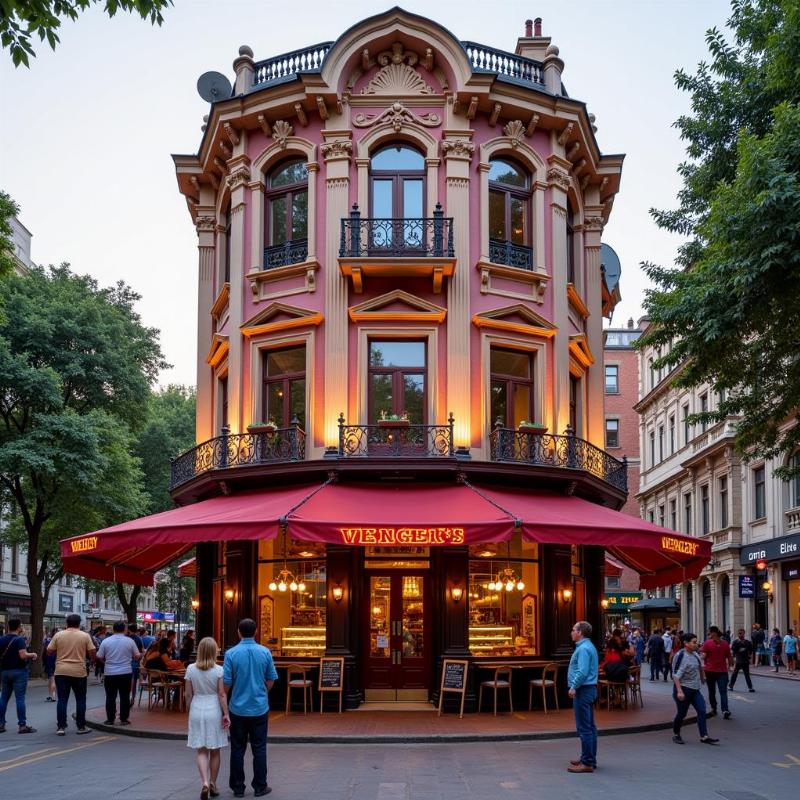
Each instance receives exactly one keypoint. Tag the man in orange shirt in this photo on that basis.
(717, 660)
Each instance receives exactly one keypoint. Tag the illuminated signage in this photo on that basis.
(679, 545)
(621, 600)
(83, 545)
(390, 536)
(747, 586)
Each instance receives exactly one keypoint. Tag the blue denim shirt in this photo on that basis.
(583, 665)
(247, 667)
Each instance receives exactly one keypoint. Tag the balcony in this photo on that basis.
(399, 247)
(282, 255)
(510, 255)
(562, 452)
(792, 520)
(399, 439)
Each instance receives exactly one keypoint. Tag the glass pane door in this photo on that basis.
(380, 588)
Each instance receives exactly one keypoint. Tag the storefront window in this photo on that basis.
(504, 599)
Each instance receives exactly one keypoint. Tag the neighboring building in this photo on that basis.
(21, 237)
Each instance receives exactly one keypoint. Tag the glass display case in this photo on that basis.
(491, 640)
(303, 641)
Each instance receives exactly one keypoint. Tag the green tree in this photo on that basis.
(730, 312)
(20, 20)
(76, 365)
(8, 210)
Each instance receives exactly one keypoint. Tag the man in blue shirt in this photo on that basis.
(14, 658)
(249, 673)
(582, 682)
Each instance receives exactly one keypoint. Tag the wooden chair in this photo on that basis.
(143, 686)
(616, 692)
(158, 689)
(635, 686)
(549, 680)
(301, 682)
(501, 681)
(176, 691)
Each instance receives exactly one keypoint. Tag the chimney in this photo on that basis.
(528, 28)
(537, 31)
(630, 322)
(533, 44)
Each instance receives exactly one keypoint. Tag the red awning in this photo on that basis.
(613, 568)
(660, 556)
(188, 568)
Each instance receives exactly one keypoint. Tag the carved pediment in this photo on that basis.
(579, 349)
(397, 75)
(218, 350)
(279, 316)
(517, 318)
(397, 306)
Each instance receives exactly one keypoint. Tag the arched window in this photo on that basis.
(706, 608)
(510, 227)
(725, 599)
(287, 214)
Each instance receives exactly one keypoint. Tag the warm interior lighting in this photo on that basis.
(457, 592)
(338, 594)
(604, 603)
(566, 594)
(195, 604)
(767, 586)
(229, 594)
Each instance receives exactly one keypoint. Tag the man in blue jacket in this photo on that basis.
(582, 682)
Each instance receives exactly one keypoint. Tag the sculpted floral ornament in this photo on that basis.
(339, 148)
(458, 148)
(516, 132)
(281, 131)
(397, 115)
(558, 177)
(238, 177)
(398, 76)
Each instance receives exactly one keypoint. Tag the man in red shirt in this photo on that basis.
(717, 660)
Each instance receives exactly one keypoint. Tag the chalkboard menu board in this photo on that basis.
(454, 679)
(331, 678)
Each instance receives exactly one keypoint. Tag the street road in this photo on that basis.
(759, 757)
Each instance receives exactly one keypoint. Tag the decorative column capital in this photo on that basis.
(459, 149)
(336, 149)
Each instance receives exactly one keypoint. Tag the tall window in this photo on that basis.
(794, 485)
(661, 515)
(574, 386)
(226, 271)
(652, 448)
(653, 380)
(511, 387)
(705, 515)
(722, 484)
(703, 409)
(398, 379)
(397, 177)
(223, 401)
(671, 434)
(570, 244)
(14, 562)
(725, 596)
(660, 442)
(687, 513)
(651, 516)
(612, 378)
(686, 427)
(285, 386)
(612, 433)
(759, 487)
(287, 214)
(509, 213)
(673, 514)
(706, 605)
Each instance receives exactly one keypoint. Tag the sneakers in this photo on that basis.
(81, 731)
(726, 715)
(678, 739)
(26, 729)
(751, 690)
(108, 722)
(709, 740)
(61, 731)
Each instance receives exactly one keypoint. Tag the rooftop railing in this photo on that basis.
(513, 66)
(290, 64)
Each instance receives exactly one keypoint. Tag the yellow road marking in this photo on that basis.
(33, 760)
(794, 761)
(26, 755)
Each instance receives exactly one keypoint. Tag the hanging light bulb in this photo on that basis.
(510, 586)
(273, 586)
(282, 586)
(301, 586)
(520, 585)
(490, 587)
(293, 586)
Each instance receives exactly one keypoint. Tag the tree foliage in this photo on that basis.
(730, 312)
(20, 20)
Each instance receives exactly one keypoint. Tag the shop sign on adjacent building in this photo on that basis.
(621, 601)
(771, 550)
(791, 571)
(747, 586)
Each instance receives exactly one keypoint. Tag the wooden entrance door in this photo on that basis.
(397, 635)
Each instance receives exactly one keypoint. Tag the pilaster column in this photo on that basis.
(592, 232)
(205, 224)
(336, 151)
(458, 149)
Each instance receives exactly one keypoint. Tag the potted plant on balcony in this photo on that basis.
(270, 426)
(526, 426)
(393, 420)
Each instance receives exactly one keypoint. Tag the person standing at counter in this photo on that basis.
(582, 681)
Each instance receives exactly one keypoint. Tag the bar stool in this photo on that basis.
(549, 680)
(501, 681)
(302, 683)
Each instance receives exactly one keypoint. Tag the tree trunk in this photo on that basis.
(38, 604)
(129, 605)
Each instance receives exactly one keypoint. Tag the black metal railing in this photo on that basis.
(510, 254)
(290, 64)
(492, 60)
(281, 255)
(406, 237)
(239, 450)
(396, 440)
(552, 450)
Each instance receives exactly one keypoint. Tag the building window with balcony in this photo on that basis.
(722, 484)
(687, 431)
(223, 401)
(671, 434)
(510, 234)
(574, 399)
(287, 215)
(398, 380)
(284, 394)
(705, 511)
(512, 395)
(687, 513)
(612, 379)
(612, 433)
(759, 493)
(673, 514)
(703, 410)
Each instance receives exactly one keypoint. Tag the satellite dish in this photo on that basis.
(612, 269)
(213, 86)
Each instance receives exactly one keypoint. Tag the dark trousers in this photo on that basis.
(714, 681)
(583, 706)
(254, 730)
(655, 666)
(667, 666)
(691, 697)
(13, 681)
(745, 668)
(65, 683)
(118, 685)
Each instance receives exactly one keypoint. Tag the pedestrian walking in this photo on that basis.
(133, 633)
(758, 638)
(776, 648)
(655, 652)
(790, 648)
(14, 658)
(116, 654)
(667, 637)
(688, 677)
(49, 667)
(249, 673)
(208, 714)
(638, 644)
(742, 651)
(582, 682)
(72, 648)
(718, 659)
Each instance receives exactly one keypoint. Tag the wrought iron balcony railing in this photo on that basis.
(405, 237)
(551, 450)
(510, 254)
(513, 66)
(281, 255)
(398, 439)
(239, 450)
(288, 65)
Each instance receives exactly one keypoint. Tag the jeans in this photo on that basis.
(667, 667)
(745, 668)
(16, 681)
(118, 684)
(714, 681)
(692, 697)
(655, 666)
(253, 729)
(63, 685)
(583, 705)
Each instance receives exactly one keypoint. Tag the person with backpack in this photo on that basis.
(776, 649)
(688, 677)
(14, 658)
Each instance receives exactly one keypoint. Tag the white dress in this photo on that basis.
(205, 715)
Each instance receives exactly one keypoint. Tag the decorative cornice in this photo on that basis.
(397, 76)
(576, 301)
(281, 131)
(516, 132)
(338, 183)
(458, 183)
(338, 148)
(397, 115)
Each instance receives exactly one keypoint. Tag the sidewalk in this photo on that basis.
(768, 672)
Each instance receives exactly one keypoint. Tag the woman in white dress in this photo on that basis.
(208, 714)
